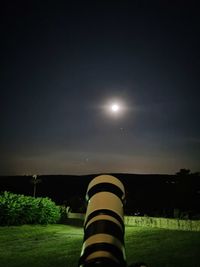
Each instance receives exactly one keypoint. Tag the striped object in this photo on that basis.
(103, 243)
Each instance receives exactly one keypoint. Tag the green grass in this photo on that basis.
(60, 245)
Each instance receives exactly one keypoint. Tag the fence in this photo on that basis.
(165, 223)
(176, 224)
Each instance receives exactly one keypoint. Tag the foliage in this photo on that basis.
(183, 172)
(19, 209)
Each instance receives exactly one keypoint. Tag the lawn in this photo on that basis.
(60, 245)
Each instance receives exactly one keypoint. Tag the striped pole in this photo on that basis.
(103, 243)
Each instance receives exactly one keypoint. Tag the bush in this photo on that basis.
(19, 209)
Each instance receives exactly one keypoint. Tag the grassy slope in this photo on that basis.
(38, 246)
(160, 247)
(60, 245)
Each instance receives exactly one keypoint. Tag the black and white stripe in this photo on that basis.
(103, 243)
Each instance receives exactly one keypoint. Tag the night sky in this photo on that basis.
(63, 65)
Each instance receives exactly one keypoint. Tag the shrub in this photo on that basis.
(18, 209)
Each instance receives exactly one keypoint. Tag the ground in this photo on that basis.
(60, 245)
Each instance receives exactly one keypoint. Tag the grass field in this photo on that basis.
(60, 245)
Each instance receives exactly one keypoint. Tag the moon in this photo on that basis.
(115, 108)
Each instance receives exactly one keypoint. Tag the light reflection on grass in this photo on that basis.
(60, 245)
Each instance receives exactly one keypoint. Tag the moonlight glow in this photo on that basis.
(115, 108)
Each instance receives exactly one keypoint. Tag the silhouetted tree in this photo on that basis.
(77, 203)
(183, 172)
(186, 191)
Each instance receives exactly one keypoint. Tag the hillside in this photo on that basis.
(145, 193)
